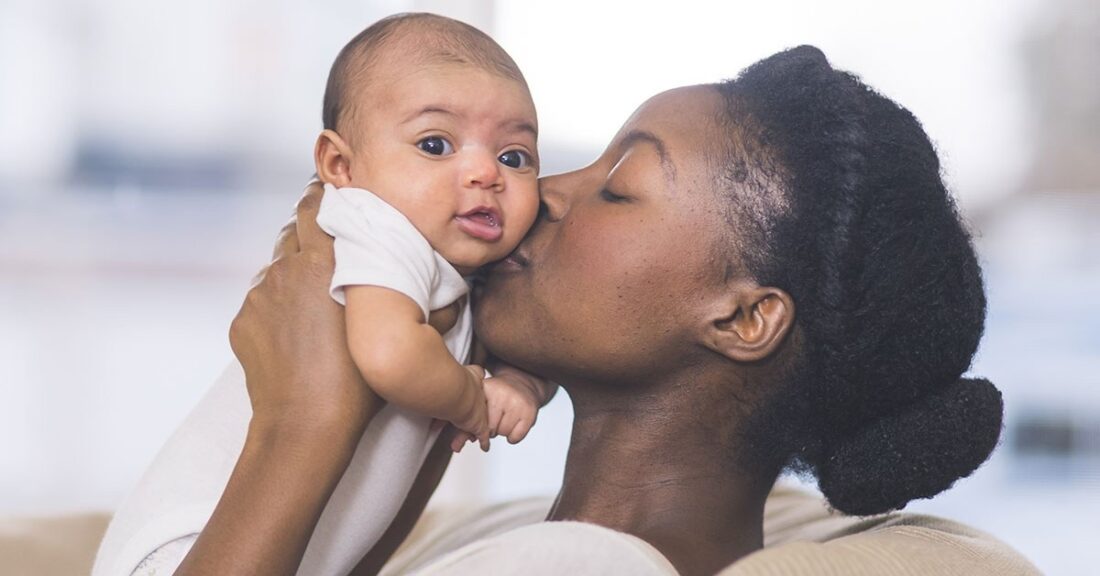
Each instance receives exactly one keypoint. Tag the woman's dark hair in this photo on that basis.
(839, 193)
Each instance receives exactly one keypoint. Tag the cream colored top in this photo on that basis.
(801, 537)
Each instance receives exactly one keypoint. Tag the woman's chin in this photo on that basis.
(494, 311)
(500, 326)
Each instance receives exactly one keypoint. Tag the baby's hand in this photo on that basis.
(513, 407)
(514, 398)
(474, 424)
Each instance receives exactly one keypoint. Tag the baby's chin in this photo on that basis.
(468, 266)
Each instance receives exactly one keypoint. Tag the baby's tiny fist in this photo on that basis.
(513, 408)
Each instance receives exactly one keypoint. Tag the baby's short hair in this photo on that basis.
(446, 41)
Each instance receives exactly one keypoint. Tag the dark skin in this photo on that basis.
(619, 293)
(616, 295)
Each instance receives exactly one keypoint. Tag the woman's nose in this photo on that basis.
(482, 171)
(555, 196)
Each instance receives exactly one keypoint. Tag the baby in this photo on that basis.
(436, 121)
(429, 156)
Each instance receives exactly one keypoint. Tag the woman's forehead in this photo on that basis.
(681, 123)
(679, 111)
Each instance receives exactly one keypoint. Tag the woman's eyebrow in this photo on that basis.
(635, 136)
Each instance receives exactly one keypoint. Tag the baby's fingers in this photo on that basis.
(520, 430)
(483, 439)
(496, 414)
(459, 441)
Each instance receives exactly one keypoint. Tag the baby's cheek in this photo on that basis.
(524, 211)
(514, 233)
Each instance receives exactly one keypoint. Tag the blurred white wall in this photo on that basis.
(955, 64)
(38, 113)
(244, 78)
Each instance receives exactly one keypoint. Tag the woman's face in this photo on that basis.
(611, 283)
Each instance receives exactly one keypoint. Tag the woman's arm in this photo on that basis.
(310, 407)
(271, 504)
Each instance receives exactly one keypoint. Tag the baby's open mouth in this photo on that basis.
(485, 217)
(483, 223)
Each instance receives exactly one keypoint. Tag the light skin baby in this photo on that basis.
(450, 144)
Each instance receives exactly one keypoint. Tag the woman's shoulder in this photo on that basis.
(512, 538)
(801, 536)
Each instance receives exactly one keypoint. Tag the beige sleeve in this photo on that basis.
(803, 537)
(553, 549)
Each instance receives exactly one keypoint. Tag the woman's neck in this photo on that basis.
(667, 480)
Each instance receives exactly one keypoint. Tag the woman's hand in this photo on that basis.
(310, 408)
(290, 336)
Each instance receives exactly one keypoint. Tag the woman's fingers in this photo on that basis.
(287, 241)
(310, 236)
(258, 277)
(286, 244)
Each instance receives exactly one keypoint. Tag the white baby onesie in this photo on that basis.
(375, 245)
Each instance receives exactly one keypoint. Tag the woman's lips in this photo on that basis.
(514, 262)
(483, 223)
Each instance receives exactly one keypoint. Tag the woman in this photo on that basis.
(764, 273)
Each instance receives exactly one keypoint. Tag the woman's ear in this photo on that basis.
(750, 323)
(333, 158)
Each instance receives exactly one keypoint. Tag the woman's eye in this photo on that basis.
(609, 196)
(515, 159)
(435, 146)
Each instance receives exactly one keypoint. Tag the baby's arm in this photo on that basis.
(404, 360)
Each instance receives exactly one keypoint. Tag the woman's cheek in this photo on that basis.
(604, 275)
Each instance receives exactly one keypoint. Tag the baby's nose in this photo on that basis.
(482, 171)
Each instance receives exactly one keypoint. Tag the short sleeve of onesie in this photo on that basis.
(376, 245)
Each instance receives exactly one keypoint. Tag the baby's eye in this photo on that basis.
(435, 146)
(515, 159)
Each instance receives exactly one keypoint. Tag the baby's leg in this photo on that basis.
(180, 489)
(177, 494)
(371, 492)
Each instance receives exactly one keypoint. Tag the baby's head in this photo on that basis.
(434, 117)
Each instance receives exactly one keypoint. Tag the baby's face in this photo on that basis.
(453, 148)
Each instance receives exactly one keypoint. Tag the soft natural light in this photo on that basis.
(589, 63)
(150, 151)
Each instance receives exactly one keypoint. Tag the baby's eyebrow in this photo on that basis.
(520, 126)
(511, 125)
(430, 109)
(635, 136)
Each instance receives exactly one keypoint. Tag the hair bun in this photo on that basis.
(916, 453)
(807, 52)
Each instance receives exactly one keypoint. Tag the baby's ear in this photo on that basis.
(333, 158)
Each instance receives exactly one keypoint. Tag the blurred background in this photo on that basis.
(149, 152)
